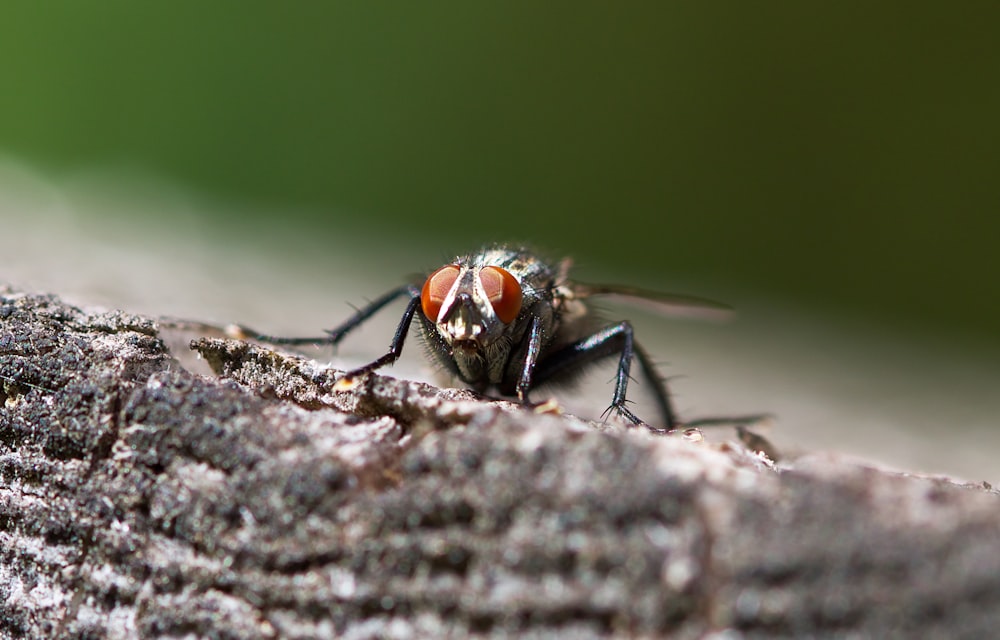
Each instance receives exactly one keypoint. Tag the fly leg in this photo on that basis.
(618, 339)
(395, 348)
(334, 336)
(524, 381)
(659, 386)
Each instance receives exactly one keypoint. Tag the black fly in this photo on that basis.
(504, 318)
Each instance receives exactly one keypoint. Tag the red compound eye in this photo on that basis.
(503, 291)
(436, 290)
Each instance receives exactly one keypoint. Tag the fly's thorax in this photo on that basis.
(574, 318)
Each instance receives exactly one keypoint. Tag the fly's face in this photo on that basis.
(470, 305)
(479, 310)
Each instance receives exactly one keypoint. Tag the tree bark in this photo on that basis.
(141, 499)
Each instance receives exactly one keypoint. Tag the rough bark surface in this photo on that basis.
(139, 499)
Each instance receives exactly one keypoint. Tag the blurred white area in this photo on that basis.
(130, 241)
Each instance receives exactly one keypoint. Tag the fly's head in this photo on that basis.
(472, 306)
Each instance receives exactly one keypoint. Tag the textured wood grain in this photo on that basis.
(139, 499)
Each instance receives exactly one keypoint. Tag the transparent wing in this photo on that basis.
(668, 304)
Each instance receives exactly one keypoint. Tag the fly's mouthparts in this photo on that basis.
(466, 346)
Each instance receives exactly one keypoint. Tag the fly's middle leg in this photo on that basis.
(615, 339)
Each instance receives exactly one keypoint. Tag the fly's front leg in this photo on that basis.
(395, 348)
(530, 360)
(334, 336)
(618, 339)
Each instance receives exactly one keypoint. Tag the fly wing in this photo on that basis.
(668, 304)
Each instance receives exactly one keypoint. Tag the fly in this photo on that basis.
(506, 319)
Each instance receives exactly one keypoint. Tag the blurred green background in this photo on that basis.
(842, 155)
